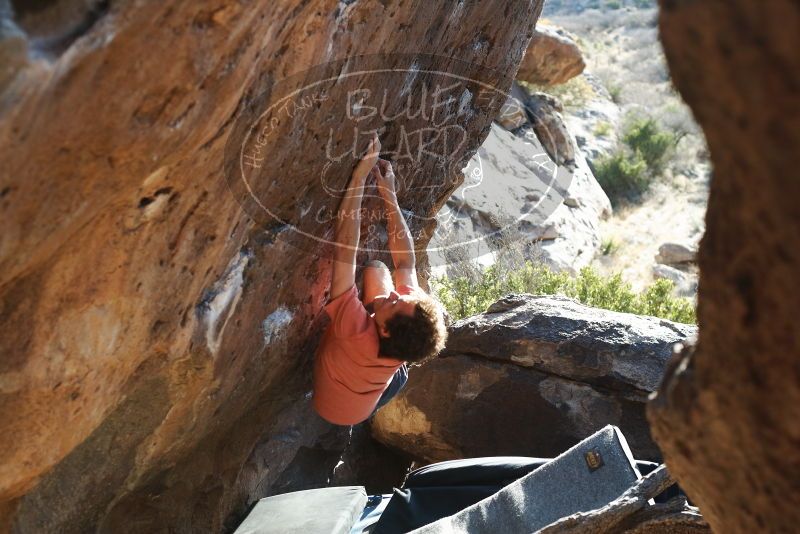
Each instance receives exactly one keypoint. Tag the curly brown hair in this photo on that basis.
(418, 337)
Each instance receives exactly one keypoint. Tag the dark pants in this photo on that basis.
(398, 381)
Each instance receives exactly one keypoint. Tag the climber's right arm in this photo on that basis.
(348, 223)
(400, 242)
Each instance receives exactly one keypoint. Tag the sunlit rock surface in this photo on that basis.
(552, 58)
(516, 196)
(531, 377)
(156, 338)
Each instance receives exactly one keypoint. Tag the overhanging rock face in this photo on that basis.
(531, 377)
(157, 330)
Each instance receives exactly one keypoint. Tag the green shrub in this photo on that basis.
(609, 247)
(602, 129)
(464, 297)
(647, 138)
(622, 175)
(658, 301)
(615, 91)
(629, 171)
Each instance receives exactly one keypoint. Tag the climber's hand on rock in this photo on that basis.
(366, 164)
(384, 177)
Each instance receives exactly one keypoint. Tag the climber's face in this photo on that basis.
(387, 306)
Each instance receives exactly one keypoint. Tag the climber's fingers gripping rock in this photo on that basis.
(384, 177)
(364, 167)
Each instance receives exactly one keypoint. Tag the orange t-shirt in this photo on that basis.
(349, 377)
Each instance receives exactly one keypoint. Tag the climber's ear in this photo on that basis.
(383, 331)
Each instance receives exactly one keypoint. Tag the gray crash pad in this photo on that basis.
(588, 476)
(317, 511)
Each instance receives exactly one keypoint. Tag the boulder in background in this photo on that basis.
(531, 377)
(531, 185)
(552, 58)
(676, 253)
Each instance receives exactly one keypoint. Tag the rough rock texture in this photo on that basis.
(13, 46)
(550, 127)
(596, 123)
(528, 186)
(48, 23)
(512, 192)
(532, 377)
(156, 341)
(577, 222)
(728, 413)
(552, 58)
(513, 114)
(676, 253)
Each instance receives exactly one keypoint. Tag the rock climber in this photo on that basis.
(361, 361)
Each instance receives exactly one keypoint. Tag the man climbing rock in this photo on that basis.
(360, 364)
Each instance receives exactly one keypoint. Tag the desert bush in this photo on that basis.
(622, 175)
(593, 18)
(609, 246)
(643, 40)
(639, 95)
(644, 64)
(569, 7)
(645, 137)
(677, 118)
(615, 91)
(464, 296)
(603, 129)
(628, 172)
(658, 301)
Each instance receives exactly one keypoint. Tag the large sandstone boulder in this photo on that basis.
(551, 130)
(577, 223)
(552, 58)
(532, 376)
(157, 326)
(596, 123)
(728, 413)
(530, 186)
